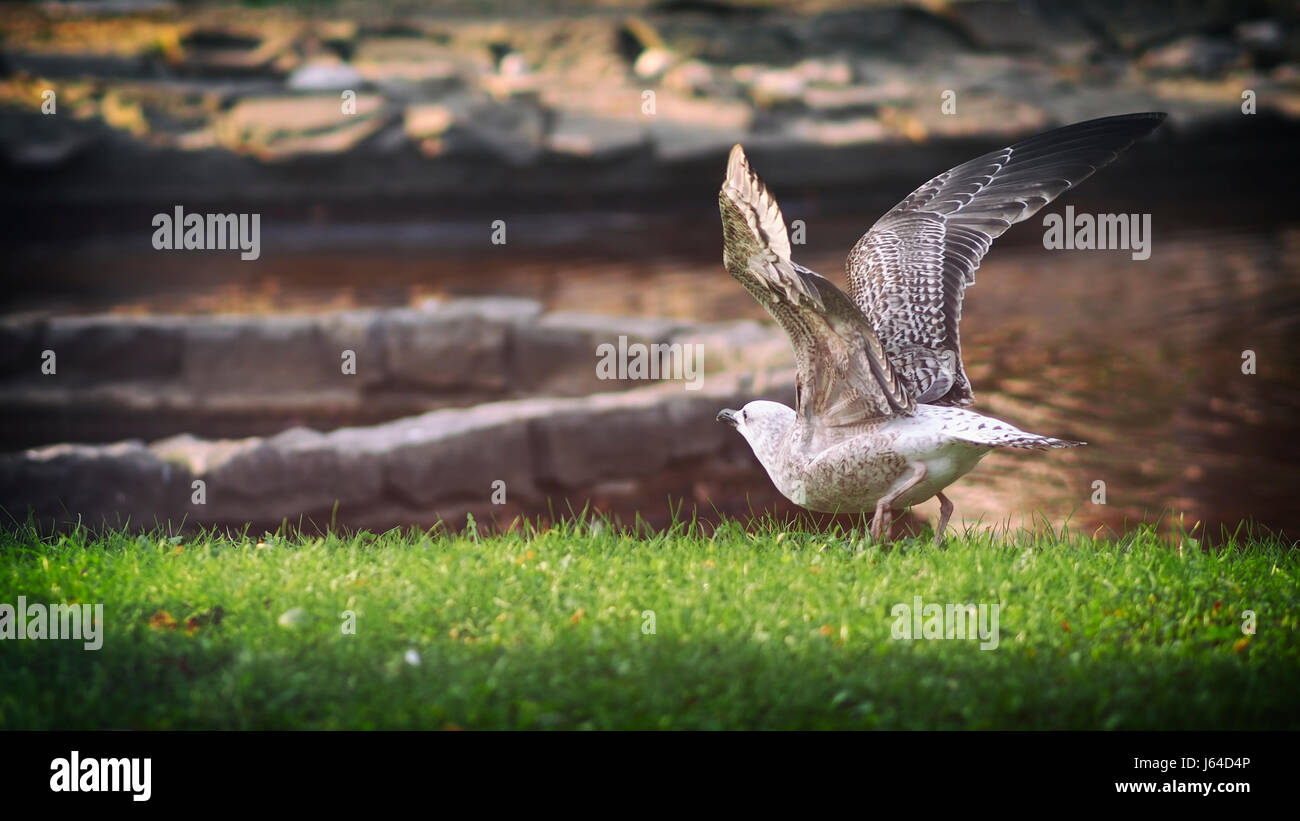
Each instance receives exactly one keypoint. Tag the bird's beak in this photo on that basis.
(729, 416)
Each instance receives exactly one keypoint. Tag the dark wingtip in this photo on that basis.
(1117, 132)
(1156, 118)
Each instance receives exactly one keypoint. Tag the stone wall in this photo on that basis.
(626, 452)
(149, 376)
(531, 414)
(244, 103)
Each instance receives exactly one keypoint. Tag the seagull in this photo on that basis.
(880, 420)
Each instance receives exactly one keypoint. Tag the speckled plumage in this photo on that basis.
(909, 273)
(878, 422)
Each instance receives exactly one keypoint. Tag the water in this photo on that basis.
(1142, 359)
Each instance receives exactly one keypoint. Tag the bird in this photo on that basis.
(881, 421)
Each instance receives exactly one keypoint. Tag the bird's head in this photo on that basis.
(763, 424)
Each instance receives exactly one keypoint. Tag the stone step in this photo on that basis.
(150, 376)
(531, 457)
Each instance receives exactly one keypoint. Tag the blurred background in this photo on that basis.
(472, 197)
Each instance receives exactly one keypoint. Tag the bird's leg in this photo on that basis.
(945, 513)
(884, 515)
(880, 522)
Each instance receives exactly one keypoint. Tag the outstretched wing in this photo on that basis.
(843, 376)
(909, 273)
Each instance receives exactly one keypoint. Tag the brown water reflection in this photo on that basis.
(1142, 359)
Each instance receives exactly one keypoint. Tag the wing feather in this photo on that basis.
(843, 374)
(909, 273)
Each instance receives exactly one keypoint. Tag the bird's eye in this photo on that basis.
(744, 415)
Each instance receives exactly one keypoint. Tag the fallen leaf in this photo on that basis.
(213, 615)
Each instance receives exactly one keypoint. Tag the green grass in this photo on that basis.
(752, 630)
